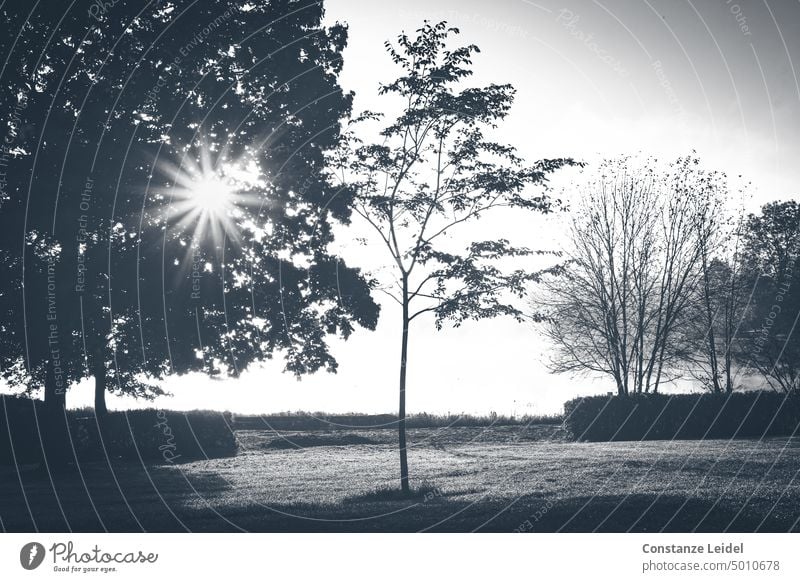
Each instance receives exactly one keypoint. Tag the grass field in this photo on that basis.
(509, 478)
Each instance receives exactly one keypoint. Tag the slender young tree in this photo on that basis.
(432, 171)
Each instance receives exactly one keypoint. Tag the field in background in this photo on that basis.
(324, 421)
(511, 478)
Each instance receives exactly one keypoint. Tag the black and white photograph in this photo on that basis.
(335, 266)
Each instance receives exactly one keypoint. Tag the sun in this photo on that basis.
(212, 195)
(208, 197)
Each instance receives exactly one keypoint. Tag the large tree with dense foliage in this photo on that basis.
(168, 206)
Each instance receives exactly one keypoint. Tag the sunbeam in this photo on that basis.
(209, 197)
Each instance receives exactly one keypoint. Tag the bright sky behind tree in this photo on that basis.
(593, 79)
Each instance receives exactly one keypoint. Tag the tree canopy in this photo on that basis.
(432, 171)
(168, 207)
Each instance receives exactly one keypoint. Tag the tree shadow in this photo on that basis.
(116, 496)
(164, 498)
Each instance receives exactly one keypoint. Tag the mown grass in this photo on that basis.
(422, 492)
(463, 479)
(304, 441)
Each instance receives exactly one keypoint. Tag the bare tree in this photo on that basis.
(718, 309)
(633, 267)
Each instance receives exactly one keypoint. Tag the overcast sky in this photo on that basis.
(593, 79)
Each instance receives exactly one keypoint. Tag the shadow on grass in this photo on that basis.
(119, 497)
(164, 498)
(451, 513)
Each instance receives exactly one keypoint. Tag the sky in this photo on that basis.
(593, 79)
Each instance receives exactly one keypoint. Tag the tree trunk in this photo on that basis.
(728, 365)
(401, 424)
(100, 408)
(712, 341)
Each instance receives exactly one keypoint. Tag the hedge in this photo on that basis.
(20, 419)
(152, 435)
(751, 414)
(157, 435)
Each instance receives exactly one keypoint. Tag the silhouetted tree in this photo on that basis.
(432, 170)
(37, 340)
(717, 312)
(218, 112)
(770, 342)
(634, 252)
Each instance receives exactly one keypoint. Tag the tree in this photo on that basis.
(633, 267)
(246, 95)
(432, 171)
(716, 313)
(770, 342)
(35, 344)
(250, 126)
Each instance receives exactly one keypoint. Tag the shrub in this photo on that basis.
(19, 422)
(160, 435)
(152, 435)
(750, 414)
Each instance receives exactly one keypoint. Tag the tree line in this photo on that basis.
(664, 280)
(115, 123)
(115, 273)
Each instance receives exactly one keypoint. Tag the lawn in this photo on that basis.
(504, 479)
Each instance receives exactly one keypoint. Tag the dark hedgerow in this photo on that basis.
(19, 425)
(751, 414)
(159, 435)
(152, 435)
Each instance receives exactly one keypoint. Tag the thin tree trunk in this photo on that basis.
(728, 378)
(712, 341)
(660, 367)
(401, 425)
(730, 323)
(100, 408)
